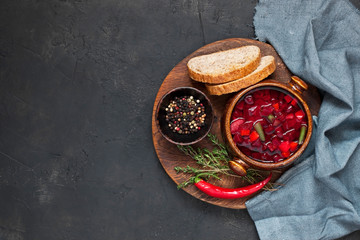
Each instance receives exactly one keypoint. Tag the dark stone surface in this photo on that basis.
(78, 80)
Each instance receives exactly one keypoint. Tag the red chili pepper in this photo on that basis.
(253, 136)
(285, 154)
(229, 193)
(276, 106)
(244, 132)
(284, 146)
(293, 146)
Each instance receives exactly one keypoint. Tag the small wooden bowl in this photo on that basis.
(296, 86)
(162, 124)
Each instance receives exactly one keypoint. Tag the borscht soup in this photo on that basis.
(268, 124)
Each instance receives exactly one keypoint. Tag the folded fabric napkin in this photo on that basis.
(319, 41)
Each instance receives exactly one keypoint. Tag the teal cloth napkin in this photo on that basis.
(319, 41)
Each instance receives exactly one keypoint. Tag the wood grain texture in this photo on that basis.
(168, 153)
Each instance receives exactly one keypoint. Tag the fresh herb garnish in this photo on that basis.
(212, 163)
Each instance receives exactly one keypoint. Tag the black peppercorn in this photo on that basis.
(185, 115)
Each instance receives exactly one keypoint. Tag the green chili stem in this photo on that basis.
(302, 134)
(260, 131)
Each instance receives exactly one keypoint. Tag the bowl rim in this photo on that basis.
(253, 162)
(208, 127)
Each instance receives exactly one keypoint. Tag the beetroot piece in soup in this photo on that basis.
(268, 124)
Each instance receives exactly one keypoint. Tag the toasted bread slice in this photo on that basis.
(266, 67)
(224, 66)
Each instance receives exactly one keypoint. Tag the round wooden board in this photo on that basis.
(168, 153)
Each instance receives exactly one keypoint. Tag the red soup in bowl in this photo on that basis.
(268, 124)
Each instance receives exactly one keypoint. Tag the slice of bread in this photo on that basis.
(224, 66)
(266, 67)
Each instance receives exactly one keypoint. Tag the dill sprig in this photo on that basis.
(212, 163)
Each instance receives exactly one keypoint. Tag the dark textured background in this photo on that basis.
(78, 80)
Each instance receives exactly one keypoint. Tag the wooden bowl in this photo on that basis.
(162, 124)
(295, 87)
